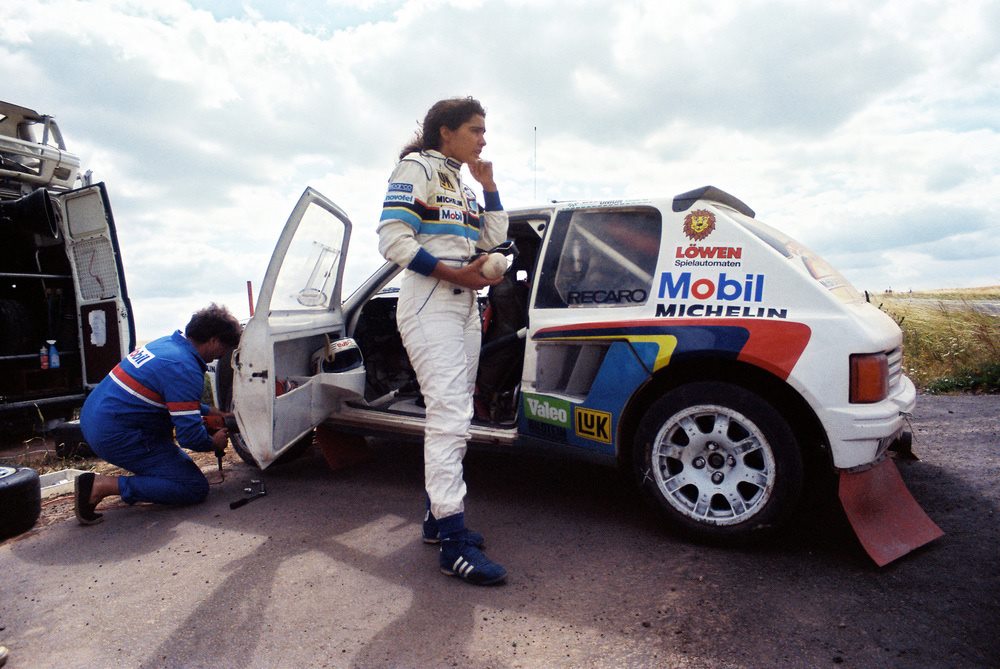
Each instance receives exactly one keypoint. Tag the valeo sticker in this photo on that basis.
(545, 409)
(591, 424)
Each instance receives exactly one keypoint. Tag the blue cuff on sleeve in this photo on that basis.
(492, 201)
(423, 263)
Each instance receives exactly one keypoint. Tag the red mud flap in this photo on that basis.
(885, 517)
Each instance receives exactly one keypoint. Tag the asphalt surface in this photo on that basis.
(328, 570)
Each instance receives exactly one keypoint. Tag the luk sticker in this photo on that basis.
(547, 410)
(591, 424)
(699, 224)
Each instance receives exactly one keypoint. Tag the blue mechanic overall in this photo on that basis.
(132, 416)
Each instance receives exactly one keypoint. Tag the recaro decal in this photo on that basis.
(592, 424)
(609, 296)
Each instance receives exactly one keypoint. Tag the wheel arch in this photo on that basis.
(777, 392)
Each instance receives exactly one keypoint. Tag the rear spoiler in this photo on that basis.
(684, 201)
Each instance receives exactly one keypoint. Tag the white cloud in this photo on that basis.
(867, 130)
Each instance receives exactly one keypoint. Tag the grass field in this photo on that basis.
(951, 337)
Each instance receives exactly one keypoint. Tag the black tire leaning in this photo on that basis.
(756, 458)
(20, 500)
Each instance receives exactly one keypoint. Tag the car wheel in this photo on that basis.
(297, 449)
(719, 462)
(294, 452)
(20, 500)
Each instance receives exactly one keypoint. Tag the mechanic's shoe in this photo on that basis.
(4, 654)
(432, 534)
(461, 558)
(82, 487)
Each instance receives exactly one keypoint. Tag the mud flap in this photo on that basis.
(886, 518)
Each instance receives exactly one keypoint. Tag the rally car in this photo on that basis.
(65, 317)
(723, 364)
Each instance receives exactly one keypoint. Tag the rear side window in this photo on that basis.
(600, 258)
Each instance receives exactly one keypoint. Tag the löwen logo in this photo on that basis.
(699, 224)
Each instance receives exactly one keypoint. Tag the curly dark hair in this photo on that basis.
(214, 321)
(450, 113)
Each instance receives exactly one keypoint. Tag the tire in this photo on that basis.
(20, 500)
(728, 468)
(69, 440)
(224, 380)
(294, 452)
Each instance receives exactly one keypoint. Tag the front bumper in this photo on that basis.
(860, 434)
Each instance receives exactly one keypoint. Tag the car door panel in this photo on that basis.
(278, 394)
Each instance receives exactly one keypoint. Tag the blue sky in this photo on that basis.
(868, 130)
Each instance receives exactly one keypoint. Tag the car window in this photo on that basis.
(308, 274)
(603, 257)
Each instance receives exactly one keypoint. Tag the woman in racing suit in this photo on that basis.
(432, 225)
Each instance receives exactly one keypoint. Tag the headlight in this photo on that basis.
(869, 378)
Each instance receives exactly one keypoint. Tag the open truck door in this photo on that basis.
(64, 292)
(103, 308)
(280, 388)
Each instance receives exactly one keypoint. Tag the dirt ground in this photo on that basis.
(40, 453)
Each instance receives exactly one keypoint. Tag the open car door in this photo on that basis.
(280, 392)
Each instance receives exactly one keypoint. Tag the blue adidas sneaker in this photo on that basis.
(432, 534)
(461, 558)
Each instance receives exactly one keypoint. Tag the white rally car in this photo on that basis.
(729, 368)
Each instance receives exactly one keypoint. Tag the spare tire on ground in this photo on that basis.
(69, 440)
(20, 500)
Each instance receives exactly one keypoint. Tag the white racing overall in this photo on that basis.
(429, 215)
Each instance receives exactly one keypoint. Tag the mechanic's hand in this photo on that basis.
(220, 439)
(482, 171)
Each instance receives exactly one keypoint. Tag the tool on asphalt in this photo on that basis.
(253, 491)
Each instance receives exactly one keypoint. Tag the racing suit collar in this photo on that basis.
(179, 337)
(450, 162)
